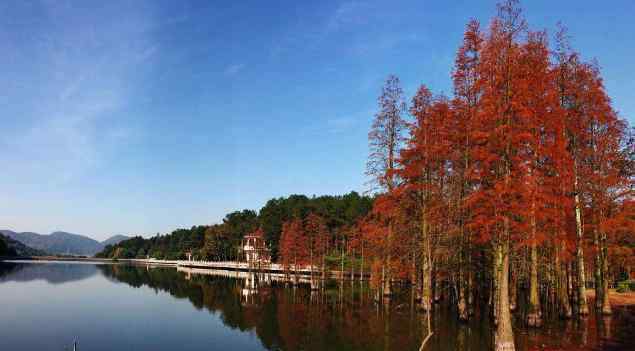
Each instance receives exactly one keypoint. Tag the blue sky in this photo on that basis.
(139, 117)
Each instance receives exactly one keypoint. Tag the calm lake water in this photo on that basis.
(45, 306)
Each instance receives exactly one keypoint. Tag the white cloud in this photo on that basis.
(234, 69)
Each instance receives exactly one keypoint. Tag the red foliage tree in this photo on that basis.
(293, 248)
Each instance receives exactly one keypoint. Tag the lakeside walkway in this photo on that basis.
(273, 268)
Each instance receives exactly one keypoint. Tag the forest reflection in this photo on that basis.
(344, 316)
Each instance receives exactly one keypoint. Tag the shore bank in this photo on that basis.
(271, 268)
(616, 298)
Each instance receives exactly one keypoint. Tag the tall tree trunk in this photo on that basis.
(470, 292)
(426, 287)
(352, 255)
(426, 264)
(573, 292)
(464, 267)
(382, 284)
(387, 291)
(462, 292)
(504, 338)
(583, 308)
(436, 285)
(534, 315)
(496, 283)
(342, 261)
(325, 250)
(606, 305)
(361, 266)
(562, 291)
(513, 290)
(413, 269)
(597, 271)
(562, 270)
(311, 259)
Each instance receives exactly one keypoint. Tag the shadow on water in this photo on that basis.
(344, 316)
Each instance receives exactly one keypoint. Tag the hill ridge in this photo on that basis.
(62, 243)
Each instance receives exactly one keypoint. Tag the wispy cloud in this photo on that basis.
(346, 14)
(145, 54)
(384, 42)
(340, 124)
(350, 123)
(234, 69)
(70, 122)
(355, 27)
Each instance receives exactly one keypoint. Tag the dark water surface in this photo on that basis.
(45, 306)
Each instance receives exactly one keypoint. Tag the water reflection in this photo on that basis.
(52, 273)
(145, 307)
(283, 315)
(343, 316)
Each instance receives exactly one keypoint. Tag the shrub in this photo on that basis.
(622, 287)
(626, 286)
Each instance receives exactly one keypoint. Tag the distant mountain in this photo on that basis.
(114, 240)
(59, 243)
(19, 248)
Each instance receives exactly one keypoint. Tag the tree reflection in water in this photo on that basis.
(344, 316)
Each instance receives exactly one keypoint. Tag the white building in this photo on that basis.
(255, 249)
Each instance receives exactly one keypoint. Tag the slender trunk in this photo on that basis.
(563, 296)
(606, 305)
(551, 285)
(470, 292)
(504, 338)
(573, 293)
(352, 255)
(387, 277)
(462, 301)
(392, 150)
(383, 278)
(498, 261)
(361, 266)
(436, 285)
(426, 267)
(583, 308)
(429, 332)
(534, 315)
(311, 259)
(601, 270)
(462, 307)
(597, 271)
(464, 268)
(342, 261)
(513, 290)
(325, 250)
(413, 269)
(426, 293)
(562, 267)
